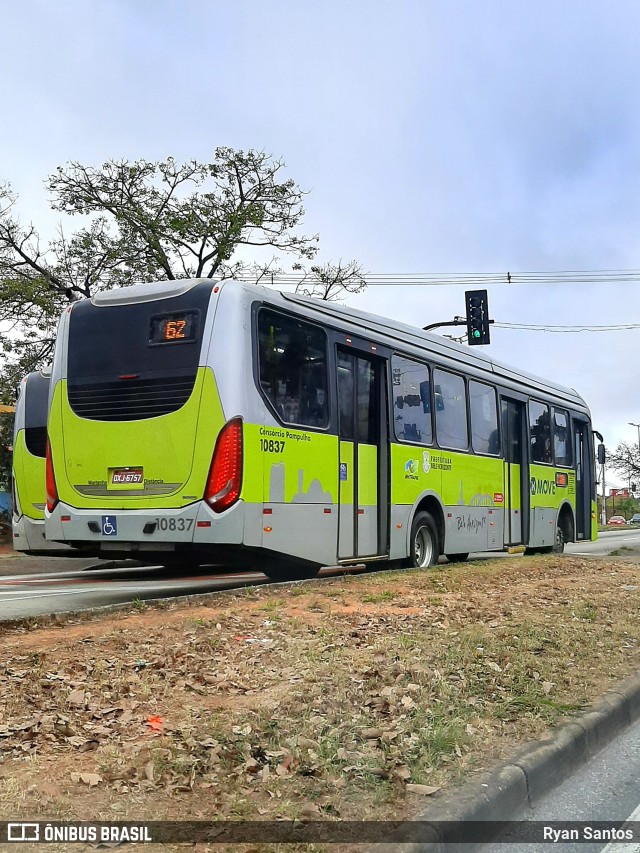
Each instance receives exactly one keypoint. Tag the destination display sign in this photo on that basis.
(174, 328)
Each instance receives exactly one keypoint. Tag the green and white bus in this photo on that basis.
(195, 421)
(28, 465)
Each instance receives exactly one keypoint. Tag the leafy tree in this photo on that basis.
(145, 221)
(625, 461)
(6, 441)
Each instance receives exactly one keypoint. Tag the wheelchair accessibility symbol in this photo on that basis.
(109, 525)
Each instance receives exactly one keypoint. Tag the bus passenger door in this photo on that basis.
(584, 477)
(516, 472)
(363, 478)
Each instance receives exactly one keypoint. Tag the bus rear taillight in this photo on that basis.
(225, 474)
(50, 481)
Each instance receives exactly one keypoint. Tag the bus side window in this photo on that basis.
(292, 362)
(561, 443)
(540, 428)
(451, 419)
(485, 437)
(411, 400)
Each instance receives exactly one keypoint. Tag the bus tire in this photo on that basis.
(282, 569)
(558, 545)
(424, 545)
(457, 558)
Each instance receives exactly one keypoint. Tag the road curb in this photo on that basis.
(521, 780)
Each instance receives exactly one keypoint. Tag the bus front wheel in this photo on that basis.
(556, 548)
(424, 542)
(558, 545)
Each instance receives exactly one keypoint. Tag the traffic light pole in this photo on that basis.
(457, 321)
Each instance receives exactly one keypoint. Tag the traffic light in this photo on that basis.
(477, 317)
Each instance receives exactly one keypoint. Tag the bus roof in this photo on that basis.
(398, 333)
(394, 333)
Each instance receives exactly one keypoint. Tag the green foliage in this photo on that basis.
(6, 440)
(625, 461)
(147, 221)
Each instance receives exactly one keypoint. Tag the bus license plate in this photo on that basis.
(131, 476)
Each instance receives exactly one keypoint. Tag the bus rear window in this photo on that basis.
(137, 338)
(135, 360)
(35, 413)
(292, 363)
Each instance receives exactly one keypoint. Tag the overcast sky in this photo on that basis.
(434, 137)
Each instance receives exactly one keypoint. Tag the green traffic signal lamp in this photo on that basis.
(477, 317)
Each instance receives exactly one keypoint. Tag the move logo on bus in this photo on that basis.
(538, 486)
(411, 469)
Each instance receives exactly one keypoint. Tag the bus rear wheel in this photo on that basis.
(282, 569)
(424, 542)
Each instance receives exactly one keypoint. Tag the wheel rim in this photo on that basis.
(423, 547)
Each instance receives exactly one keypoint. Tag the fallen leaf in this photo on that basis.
(77, 697)
(380, 772)
(402, 772)
(90, 779)
(371, 734)
(425, 790)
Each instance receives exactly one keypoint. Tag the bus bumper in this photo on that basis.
(133, 530)
(29, 536)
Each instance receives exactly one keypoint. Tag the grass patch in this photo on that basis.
(322, 700)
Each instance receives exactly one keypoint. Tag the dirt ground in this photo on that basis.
(348, 698)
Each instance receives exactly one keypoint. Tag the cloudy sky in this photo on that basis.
(434, 137)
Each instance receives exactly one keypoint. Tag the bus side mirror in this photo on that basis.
(602, 455)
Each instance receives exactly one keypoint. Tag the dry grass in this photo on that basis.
(322, 700)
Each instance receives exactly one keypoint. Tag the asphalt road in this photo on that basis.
(608, 540)
(605, 789)
(34, 586)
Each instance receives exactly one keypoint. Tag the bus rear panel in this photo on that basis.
(133, 421)
(28, 466)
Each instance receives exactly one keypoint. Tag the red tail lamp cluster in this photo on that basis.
(50, 481)
(225, 474)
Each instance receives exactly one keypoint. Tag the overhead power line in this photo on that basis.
(474, 279)
(481, 278)
(531, 327)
